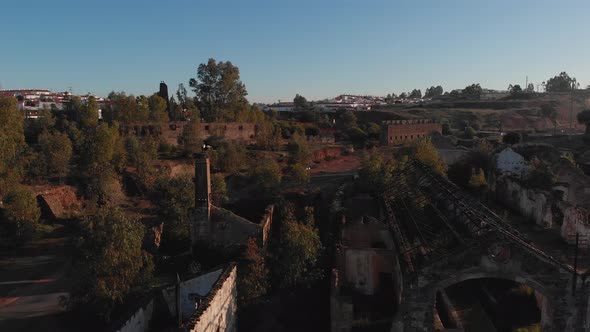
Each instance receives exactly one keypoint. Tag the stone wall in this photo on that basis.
(404, 131)
(538, 205)
(170, 132)
(208, 302)
(531, 203)
(218, 310)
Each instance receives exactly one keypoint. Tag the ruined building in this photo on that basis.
(170, 132)
(217, 226)
(164, 94)
(396, 132)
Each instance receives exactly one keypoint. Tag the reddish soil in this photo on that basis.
(341, 164)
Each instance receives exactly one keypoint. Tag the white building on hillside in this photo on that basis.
(508, 161)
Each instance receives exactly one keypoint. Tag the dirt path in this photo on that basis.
(32, 281)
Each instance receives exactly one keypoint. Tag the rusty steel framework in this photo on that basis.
(431, 218)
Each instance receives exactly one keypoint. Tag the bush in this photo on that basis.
(299, 174)
(512, 138)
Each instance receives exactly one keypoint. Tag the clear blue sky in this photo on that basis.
(316, 48)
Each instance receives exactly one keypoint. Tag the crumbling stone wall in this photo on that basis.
(240, 131)
(531, 203)
(404, 131)
(218, 311)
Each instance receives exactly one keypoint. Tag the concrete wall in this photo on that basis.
(140, 320)
(218, 311)
(200, 285)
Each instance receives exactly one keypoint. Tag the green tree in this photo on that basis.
(373, 130)
(141, 154)
(299, 174)
(266, 176)
(300, 103)
(530, 88)
(12, 139)
(473, 90)
(347, 120)
(102, 156)
(433, 92)
(560, 83)
(218, 88)
(376, 173)
(230, 156)
(416, 93)
(299, 249)
(57, 152)
(299, 151)
(423, 150)
(139, 110)
(218, 189)
(109, 261)
(19, 216)
(158, 109)
(514, 89)
(584, 118)
(89, 113)
(253, 274)
(175, 198)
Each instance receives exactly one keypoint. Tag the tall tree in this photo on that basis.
(416, 93)
(158, 106)
(433, 92)
(300, 102)
(298, 251)
(89, 113)
(514, 89)
(252, 282)
(110, 262)
(57, 151)
(12, 137)
(175, 198)
(218, 88)
(560, 83)
(472, 90)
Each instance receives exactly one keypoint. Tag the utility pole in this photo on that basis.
(575, 276)
(572, 108)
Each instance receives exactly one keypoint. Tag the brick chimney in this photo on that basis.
(201, 219)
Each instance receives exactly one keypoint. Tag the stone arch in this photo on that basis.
(424, 298)
(545, 301)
